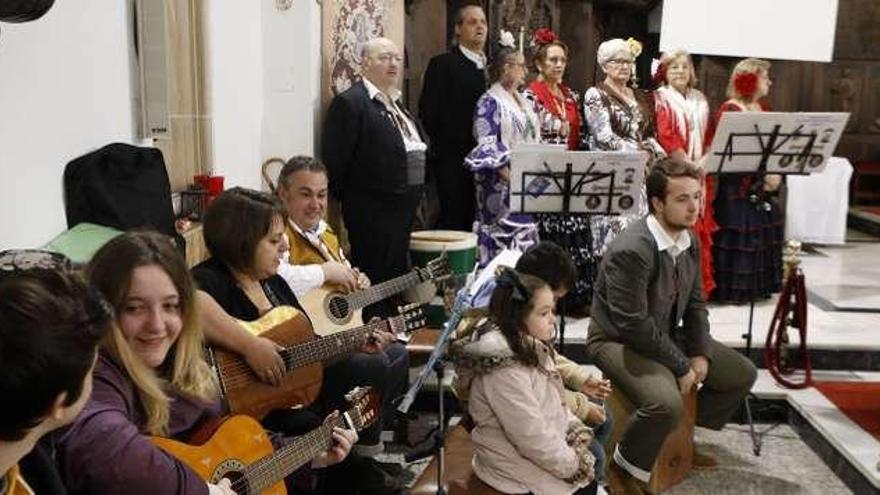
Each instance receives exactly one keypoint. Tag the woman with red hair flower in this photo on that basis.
(558, 112)
(747, 249)
(682, 115)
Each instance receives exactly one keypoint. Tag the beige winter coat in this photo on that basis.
(525, 439)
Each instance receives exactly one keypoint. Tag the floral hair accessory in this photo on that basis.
(506, 39)
(543, 36)
(659, 76)
(746, 83)
(635, 46)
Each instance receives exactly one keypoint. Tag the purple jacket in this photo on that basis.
(105, 452)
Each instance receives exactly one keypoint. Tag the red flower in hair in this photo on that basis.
(544, 36)
(660, 75)
(746, 84)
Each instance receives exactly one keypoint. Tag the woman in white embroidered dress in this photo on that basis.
(502, 119)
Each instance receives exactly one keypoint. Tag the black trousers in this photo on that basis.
(455, 190)
(379, 227)
(386, 372)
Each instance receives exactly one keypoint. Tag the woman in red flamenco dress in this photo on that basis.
(747, 249)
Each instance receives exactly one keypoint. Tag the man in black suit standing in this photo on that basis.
(453, 83)
(375, 155)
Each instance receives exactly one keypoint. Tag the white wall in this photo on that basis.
(234, 42)
(64, 91)
(774, 29)
(264, 73)
(291, 89)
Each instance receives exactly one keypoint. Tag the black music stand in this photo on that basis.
(776, 143)
(435, 363)
(550, 179)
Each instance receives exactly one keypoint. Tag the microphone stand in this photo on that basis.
(437, 365)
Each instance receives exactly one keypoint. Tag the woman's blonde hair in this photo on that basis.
(667, 58)
(184, 369)
(753, 65)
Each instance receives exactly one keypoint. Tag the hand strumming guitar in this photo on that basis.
(341, 275)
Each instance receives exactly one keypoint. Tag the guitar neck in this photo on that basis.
(384, 290)
(334, 345)
(273, 468)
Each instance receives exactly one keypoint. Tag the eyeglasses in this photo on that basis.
(521, 65)
(388, 57)
(619, 61)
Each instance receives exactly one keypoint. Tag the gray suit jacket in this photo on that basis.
(634, 297)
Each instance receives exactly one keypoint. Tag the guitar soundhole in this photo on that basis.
(233, 470)
(338, 307)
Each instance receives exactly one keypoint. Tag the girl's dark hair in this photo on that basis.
(503, 56)
(510, 305)
(551, 263)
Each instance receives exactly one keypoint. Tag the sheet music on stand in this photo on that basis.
(551, 179)
(774, 142)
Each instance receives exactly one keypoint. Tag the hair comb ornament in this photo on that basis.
(635, 46)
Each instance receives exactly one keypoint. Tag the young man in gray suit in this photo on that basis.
(649, 331)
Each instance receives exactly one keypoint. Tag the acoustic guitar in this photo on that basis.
(332, 311)
(304, 355)
(241, 451)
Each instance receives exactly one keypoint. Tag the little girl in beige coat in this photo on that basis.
(525, 439)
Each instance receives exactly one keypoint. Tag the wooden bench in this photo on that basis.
(676, 456)
(459, 474)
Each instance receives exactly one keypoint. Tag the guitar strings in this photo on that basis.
(303, 353)
(266, 471)
(295, 355)
(240, 373)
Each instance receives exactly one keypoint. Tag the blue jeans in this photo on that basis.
(597, 447)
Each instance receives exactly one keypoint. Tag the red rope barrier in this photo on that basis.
(791, 311)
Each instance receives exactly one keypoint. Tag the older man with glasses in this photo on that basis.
(375, 155)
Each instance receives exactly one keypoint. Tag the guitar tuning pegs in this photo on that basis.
(356, 394)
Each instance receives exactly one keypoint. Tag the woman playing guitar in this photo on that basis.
(150, 378)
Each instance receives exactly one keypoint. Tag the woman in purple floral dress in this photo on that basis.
(503, 119)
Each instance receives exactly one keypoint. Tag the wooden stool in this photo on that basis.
(676, 456)
(460, 477)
